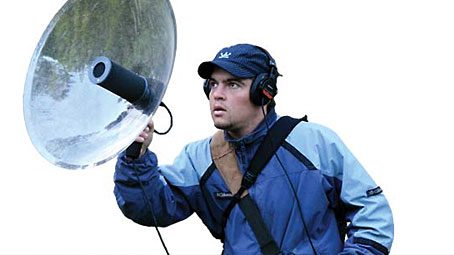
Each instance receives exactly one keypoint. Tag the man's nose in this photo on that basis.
(218, 92)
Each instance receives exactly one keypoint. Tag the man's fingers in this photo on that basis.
(143, 136)
(146, 135)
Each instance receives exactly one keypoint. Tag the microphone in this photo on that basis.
(121, 81)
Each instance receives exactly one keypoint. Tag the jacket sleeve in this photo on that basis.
(370, 228)
(169, 201)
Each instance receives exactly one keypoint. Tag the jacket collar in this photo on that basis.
(259, 132)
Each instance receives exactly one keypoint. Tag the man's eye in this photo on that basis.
(212, 84)
(234, 84)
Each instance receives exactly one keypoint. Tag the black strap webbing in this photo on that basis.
(272, 141)
(261, 232)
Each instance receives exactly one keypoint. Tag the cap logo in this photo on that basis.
(225, 55)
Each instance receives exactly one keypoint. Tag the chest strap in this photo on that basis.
(224, 157)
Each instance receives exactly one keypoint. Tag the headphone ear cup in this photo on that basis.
(206, 88)
(263, 89)
(254, 93)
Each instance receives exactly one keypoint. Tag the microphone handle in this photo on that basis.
(133, 151)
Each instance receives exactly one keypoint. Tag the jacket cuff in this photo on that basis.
(145, 167)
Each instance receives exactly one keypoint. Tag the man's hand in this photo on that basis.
(145, 137)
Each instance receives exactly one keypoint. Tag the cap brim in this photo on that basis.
(206, 69)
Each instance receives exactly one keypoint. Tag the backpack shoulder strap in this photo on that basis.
(224, 157)
(272, 141)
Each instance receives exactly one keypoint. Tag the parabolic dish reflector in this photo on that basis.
(73, 122)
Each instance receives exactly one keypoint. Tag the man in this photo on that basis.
(309, 191)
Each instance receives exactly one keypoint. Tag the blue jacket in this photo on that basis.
(331, 184)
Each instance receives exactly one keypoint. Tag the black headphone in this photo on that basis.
(263, 88)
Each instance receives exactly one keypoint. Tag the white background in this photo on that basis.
(376, 72)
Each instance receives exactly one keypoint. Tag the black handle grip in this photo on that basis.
(133, 151)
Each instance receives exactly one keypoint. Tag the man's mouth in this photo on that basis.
(218, 110)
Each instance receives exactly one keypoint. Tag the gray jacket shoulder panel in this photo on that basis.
(190, 165)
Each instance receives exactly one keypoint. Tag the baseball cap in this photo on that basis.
(240, 60)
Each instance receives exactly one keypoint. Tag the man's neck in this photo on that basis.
(238, 134)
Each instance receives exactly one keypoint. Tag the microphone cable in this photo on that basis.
(150, 207)
(171, 120)
(142, 187)
(295, 195)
